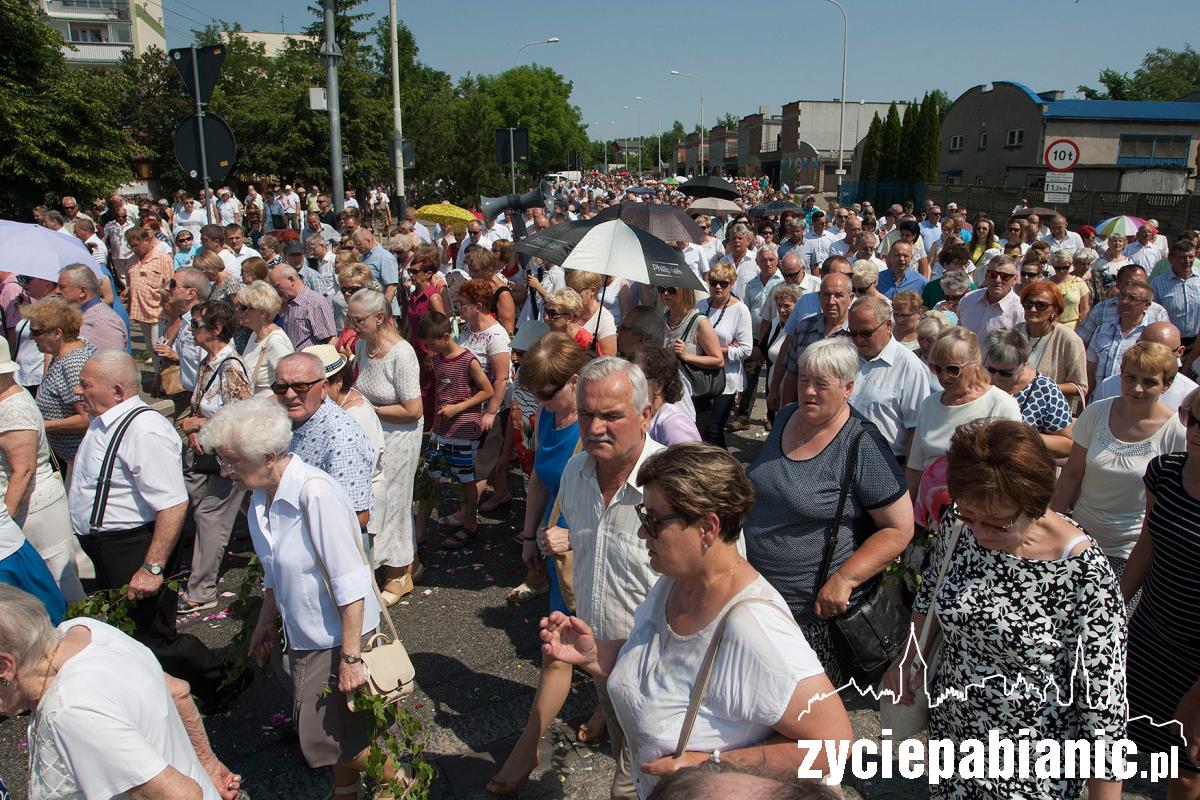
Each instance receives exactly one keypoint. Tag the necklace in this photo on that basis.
(720, 316)
(49, 670)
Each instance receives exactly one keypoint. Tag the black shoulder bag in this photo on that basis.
(868, 637)
(206, 463)
(707, 382)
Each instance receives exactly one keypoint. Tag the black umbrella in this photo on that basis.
(775, 208)
(643, 190)
(669, 223)
(612, 247)
(709, 186)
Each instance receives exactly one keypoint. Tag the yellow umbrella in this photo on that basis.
(445, 214)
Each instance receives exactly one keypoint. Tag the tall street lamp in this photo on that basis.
(551, 40)
(841, 170)
(658, 164)
(630, 108)
(697, 77)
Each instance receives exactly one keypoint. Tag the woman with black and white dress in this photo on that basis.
(730, 318)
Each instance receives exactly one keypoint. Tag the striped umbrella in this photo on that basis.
(1125, 225)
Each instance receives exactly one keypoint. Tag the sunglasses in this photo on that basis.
(1003, 373)
(36, 332)
(954, 298)
(550, 313)
(171, 284)
(241, 307)
(197, 323)
(1035, 305)
(864, 334)
(1002, 276)
(547, 395)
(349, 290)
(716, 284)
(299, 387)
(667, 290)
(651, 522)
(862, 290)
(949, 370)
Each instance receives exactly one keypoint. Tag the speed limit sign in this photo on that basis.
(1062, 155)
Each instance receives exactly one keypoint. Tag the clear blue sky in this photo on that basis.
(760, 52)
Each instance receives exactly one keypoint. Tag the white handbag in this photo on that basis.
(906, 721)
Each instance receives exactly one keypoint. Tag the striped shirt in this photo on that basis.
(308, 319)
(1106, 312)
(1108, 346)
(452, 382)
(1181, 298)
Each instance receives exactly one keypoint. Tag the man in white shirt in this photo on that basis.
(1163, 333)
(599, 493)
(229, 209)
(892, 382)
(85, 231)
(996, 305)
(235, 240)
(741, 257)
(253, 197)
(694, 256)
(795, 238)
(349, 202)
(314, 227)
(931, 227)
(129, 524)
(851, 227)
(212, 239)
(191, 216)
(419, 229)
(1143, 251)
(496, 231)
(818, 242)
(1060, 238)
(291, 207)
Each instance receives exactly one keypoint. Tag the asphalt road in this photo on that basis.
(477, 666)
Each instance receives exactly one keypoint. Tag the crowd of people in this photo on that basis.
(1019, 411)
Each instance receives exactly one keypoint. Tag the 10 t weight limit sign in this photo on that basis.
(1062, 155)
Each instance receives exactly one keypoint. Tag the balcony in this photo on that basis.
(103, 53)
(1151, 161)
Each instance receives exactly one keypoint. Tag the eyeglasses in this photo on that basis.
(551, 313)
(651, 522)
(1005, 528)
(954, 298)
(790, 275)
(714, 283)
(949, 370)
(36, 332)
(1034, 305)
(1002, 276)
(171, 284)
(299, 387)
(706, 227)
(548, 395)
(356, 321)
(1003, 373)
(241, 307)
(1132, 299)
(1025, 274)
(667, 290)
(864, 334)
(862, 290)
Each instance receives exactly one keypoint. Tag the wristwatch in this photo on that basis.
(351, 659)
(153, 569)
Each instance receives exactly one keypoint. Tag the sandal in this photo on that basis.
(525, 592)
(396, 590)
(349, 790)
(459, 538)
(492, 504)
(183, 606)
(448, 521)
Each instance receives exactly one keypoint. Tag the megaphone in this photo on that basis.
(542, 195)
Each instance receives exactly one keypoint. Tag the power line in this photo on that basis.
(178, 13)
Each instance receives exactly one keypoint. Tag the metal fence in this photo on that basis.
(1174, 212)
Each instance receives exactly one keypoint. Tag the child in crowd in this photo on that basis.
(458, 424)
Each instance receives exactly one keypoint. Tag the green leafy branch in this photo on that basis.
(245, 607)
(111, 606)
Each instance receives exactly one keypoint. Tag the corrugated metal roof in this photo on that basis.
(1124, 109)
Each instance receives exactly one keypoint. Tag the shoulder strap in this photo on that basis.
(831, 545)
(710, 656)
(554, 510)
(695, 318)
(107, 464)
(217, 372)
(922, 638)
(383, 614)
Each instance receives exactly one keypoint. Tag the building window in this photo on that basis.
(1015, 137)
(88, 34)
(983, 140)
(1144, 149)
(955, 144)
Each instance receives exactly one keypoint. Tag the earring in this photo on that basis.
(5, 682)
(704, 547)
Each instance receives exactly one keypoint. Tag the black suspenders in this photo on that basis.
(104, 480)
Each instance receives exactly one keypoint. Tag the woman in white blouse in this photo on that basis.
(315, 578)
(766, 688)
(730, 318)
(257, 305)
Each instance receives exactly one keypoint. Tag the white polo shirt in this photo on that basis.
(889, 391)
(147, 477)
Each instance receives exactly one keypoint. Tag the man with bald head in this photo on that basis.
(129, 522)
(102, 326)
(307, 316)
(383, 265)
(1163, 333)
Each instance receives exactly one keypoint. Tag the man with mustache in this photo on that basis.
(599, 492)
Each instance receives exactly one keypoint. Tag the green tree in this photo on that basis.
(474, 170)
(1165, 74)
(889, 150)
(941, 103)
(871, 148)
(929, 133)
(729, 121)
(906, 159)
(57, 124)
(152, 104)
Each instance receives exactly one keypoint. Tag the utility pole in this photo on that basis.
(398, 129)
(331, 54)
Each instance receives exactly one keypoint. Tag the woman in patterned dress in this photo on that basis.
(1042, 403)
(54, 325)
(1026, 596)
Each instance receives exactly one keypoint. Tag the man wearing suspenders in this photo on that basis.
(128, 502)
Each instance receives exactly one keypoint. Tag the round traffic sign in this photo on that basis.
(1062, 155)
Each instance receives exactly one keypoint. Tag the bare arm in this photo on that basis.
(21, 450)
(226, 782)
(76, 423)
(894, 530)
(170, 784)
(1066, 491)
(1059, 443)
(775, 390)
(1142, 556)
(710, 355)
(403, 412)
(1091, 373)
(506, 312)
(167, 525)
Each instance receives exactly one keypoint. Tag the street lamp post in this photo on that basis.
(697, 77)
(841, 170)
(551, 40)
(658, 164)
(639, 166)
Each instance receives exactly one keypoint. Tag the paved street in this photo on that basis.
(477, 665)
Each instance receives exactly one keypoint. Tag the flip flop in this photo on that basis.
(525, 593)
(459, 539)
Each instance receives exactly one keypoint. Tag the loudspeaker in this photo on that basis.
(542, 195)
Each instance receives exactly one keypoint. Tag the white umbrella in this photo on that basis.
(38, 252)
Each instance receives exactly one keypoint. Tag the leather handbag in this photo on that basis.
(869, 635)
(206, 463)
(390, 672)
(169, 381)
(706, 382)
(904, 721)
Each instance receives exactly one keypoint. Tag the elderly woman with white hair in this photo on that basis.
(864, 277)
(1042, 403)
(817, 442)
(93, 693)
(315, 578)
(258, 305)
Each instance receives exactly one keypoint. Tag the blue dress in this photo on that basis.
(554, 450)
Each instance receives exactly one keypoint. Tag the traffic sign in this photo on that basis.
(1062, 155)
(219, 146)
(1057, 197)
(1059, 182)
(208, 67)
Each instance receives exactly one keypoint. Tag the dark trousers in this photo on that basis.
(711, 416)
(746, 404)
(117, 556)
